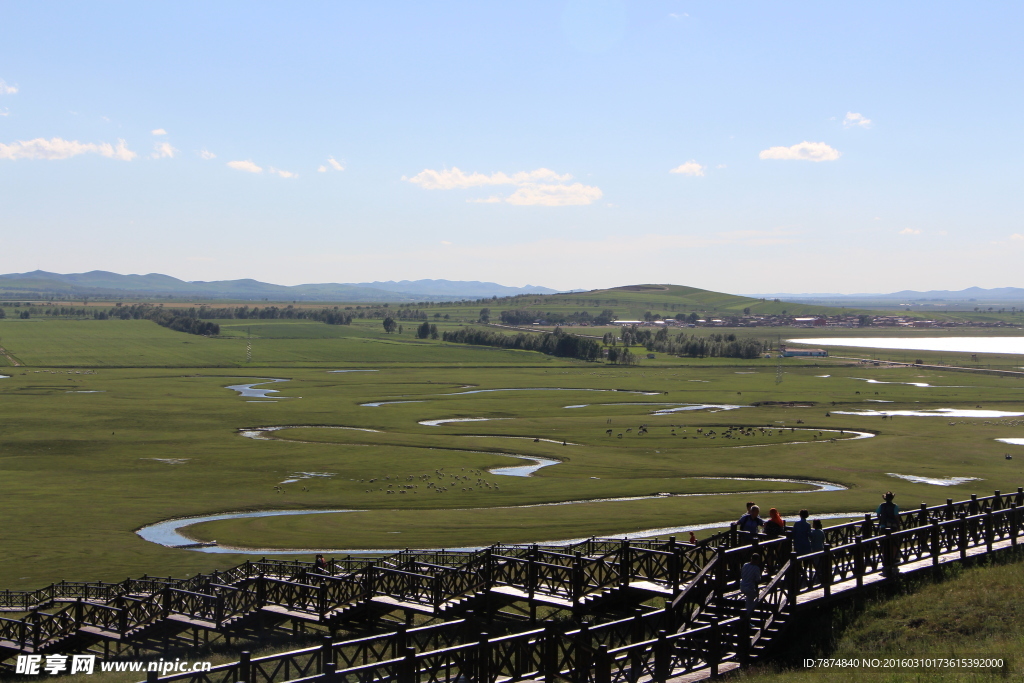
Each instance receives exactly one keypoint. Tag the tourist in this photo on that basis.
(320, 566)
(817, 537)
(751, 521)
(888, 513)
(750, 579)
(775, 526)
(802, 534)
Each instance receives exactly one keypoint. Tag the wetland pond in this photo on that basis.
(946, 344)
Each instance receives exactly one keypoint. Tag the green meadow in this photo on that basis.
(112, 425)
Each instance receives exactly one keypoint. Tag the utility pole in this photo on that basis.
(778, 363)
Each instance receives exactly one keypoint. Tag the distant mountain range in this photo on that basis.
(969, 294)
(101, 283)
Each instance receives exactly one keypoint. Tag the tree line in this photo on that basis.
(526, 316)
(693, 346)
(558, 343)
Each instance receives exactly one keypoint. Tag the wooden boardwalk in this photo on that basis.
(485, 604)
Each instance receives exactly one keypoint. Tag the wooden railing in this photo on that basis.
(697, 629)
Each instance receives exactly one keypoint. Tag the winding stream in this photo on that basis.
(167, 533)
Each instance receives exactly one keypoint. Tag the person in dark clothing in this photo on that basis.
(751, 521)
(888, 514)
(802, 534)
(774, 526)
(320, 566)
(817, 537)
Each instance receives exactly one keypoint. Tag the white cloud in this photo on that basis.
(540, 187)
(535, 194)
(445, 242)
(1017, 236)
(247, 166)
(335, 165)
(691, 167)
(162, 150)
(853, 120)
(804, 151)
(321, 169)
(207, 154)
(283, 174)
(58, 148)
(5, 112)
(456, 179)
(159, 131)
(7, 89)
(910, 231)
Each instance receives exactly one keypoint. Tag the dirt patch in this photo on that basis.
(9, 357)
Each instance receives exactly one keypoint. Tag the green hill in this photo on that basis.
(632, 301)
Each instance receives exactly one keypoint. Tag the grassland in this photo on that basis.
(80, 472)
(973, 613)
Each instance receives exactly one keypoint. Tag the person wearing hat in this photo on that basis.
(888, 514)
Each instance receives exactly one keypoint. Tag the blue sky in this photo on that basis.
(741, 147)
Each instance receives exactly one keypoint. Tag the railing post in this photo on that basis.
(326, 652)
(997, 500)
(936, 546)
(743, 642)
(576, 587)
(261, 590)
(720, 571)
(972, 505)
(887, 569)
(989, 531)
(1013, 525)
(78, 613)
(407, 671)
(733, 535)
(922, 515)
(792, 581)
(218, 614)
(867, 528)
(1020, 496)
(330, 673)
(625, 563)
(662, 658)
(714, 647)
(858, 561)
(826, 570)
(245, 666)
(602, 665)
(549, 653)
(961, 540)
(483, 660)
(152, 676)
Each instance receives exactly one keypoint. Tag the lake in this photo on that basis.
(948, 344)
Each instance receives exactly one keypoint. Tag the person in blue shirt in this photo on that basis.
(802, 534)
(751, 521)
(750, 580)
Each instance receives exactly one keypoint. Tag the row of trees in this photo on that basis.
(556, 344)
(173, 319)
(693, 346)
(526, 316)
